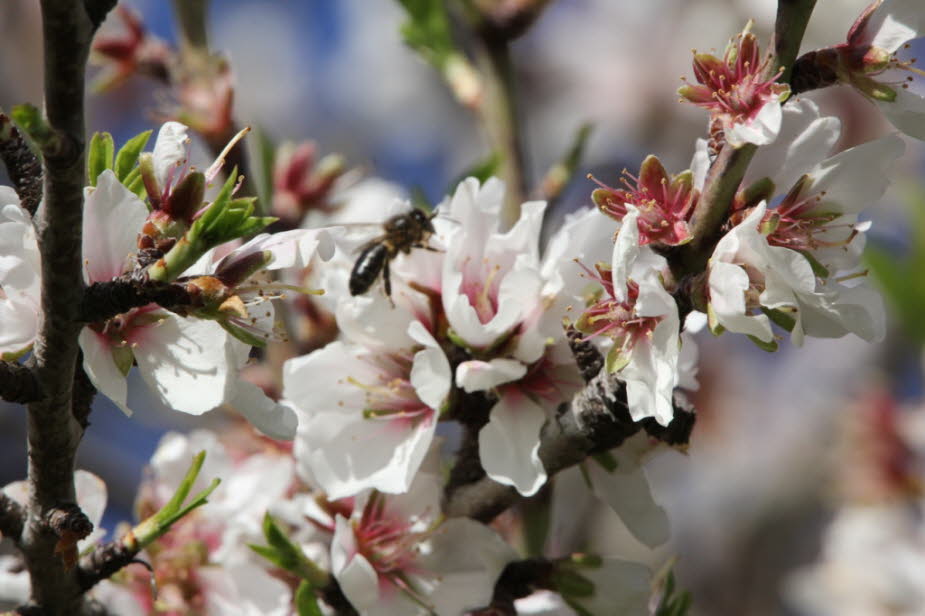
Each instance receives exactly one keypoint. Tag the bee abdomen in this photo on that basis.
(367, 268)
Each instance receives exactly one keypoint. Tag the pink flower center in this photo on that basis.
(734, 86)
(797, 223)
(617, 319)
(391, 396)
(480, 285)
(664, 208)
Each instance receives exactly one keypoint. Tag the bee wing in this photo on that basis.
(356, 236)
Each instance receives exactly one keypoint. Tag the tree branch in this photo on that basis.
(12, 518)
(17, 383)
(104, 300)
(53, 432)
(597, 420)
(22, 165)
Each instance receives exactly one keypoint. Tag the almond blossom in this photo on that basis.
(743, 99)
(664, 202)
(868, 61)
(641, 318)
(367, 417)
(746, 273)
(396, 556)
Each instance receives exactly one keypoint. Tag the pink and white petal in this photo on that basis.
(467, 557)
(188, 363)
(274, 419)
(349, 453)
(113, 217)
(518, 295)
(170, 151)
(509, 443)
(759, 130)
(478, 375)
(431, 375)
(626, 491)
(102, 370)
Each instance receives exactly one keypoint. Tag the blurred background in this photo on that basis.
(802, 485)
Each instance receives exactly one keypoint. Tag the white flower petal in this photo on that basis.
(272, 418)
(467, 558)
(760, 130)
(170, 151)
(188, 362)
(509, 443)
(906, 112)
(626, 490)
(477, 375)
(102, 370)
(113, 217)
(431, 374)
(893, 23)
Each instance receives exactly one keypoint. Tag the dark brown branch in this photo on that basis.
(17, 383)
(518, 579)
(597, 420)
(53, 432)
(98, 9)
(22, 165)
(104, 300)
(104, 561)
(12, 518)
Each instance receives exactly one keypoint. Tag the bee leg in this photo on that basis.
(387, 280)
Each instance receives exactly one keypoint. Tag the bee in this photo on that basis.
(402, 232)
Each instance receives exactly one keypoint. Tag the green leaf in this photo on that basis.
(306, 604)
(31, 120)
(128, 155)
(606, 460)
(781, 318)
(159, 523)
(902, 290)
(770, 347)
(263, 153)
(286, 555)
(99, 156)
(428, 30)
